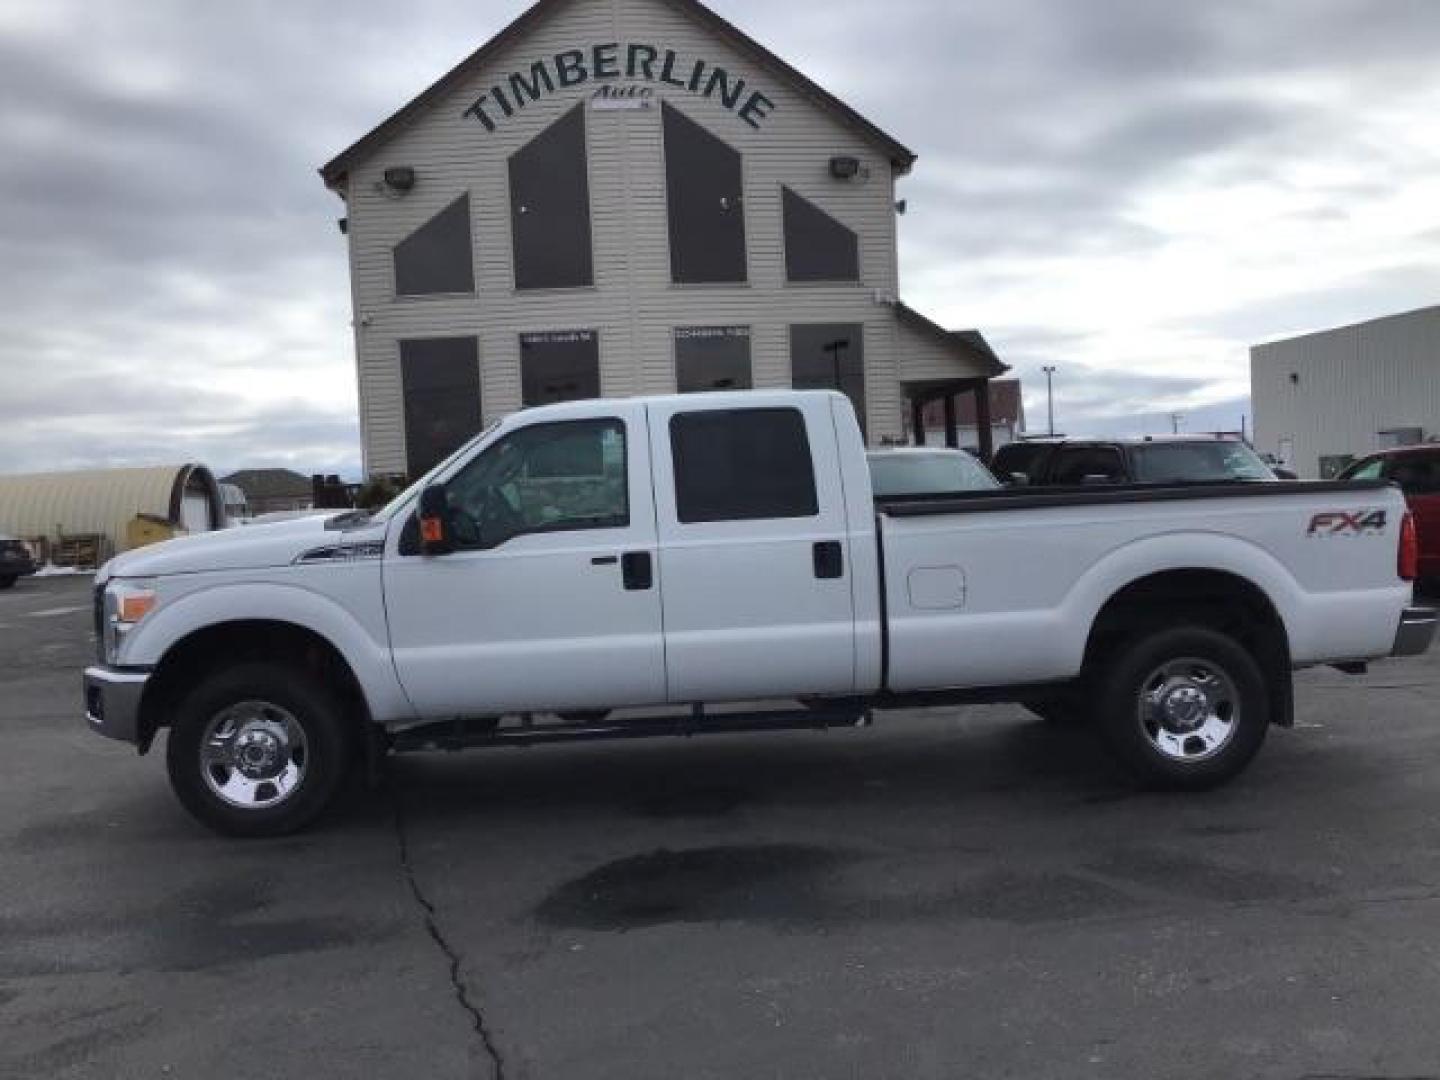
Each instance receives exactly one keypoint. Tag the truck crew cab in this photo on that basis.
(686, 552)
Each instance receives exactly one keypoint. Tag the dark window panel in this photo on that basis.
(440, 378)
(712, 358)
(436, 258)
(705, 192)
(817, 247)
(559, 365)
(742, 465)
(830, 356)
(550, 207)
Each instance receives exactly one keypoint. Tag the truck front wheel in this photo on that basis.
(1184, 708)
(257, 750)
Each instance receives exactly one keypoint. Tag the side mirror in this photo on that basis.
(1018, 479)
(434, 517)
(1282, 473)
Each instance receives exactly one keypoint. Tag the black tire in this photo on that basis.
(291, 695)
(1222, 670)
(8, 581)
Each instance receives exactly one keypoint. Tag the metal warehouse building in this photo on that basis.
(617, 197)
(1322, 400)
(108, 503)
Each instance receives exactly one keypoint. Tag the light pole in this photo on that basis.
(1175, 419)
(1050, 396)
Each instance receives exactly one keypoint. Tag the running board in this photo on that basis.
(464, 734)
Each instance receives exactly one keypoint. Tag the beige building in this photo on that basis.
(616, 197)
(1324, 400)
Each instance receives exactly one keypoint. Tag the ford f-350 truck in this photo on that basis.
(577, 563)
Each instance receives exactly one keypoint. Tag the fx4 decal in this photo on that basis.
(1347, 523)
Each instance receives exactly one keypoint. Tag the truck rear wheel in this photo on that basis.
(257, 750)
(1184, 708)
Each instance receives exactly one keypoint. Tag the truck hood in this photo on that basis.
(243, 547)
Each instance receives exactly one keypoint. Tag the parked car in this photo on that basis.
(722, 549)
(1152, 459)
(15, 561)
(921, 470)
(1417, 470)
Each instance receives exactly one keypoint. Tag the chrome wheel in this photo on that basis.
(253, 755)
(1188, 709)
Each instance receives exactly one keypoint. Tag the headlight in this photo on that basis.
(127, 602)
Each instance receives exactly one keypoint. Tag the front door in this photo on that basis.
(551, 600)
(756, 561)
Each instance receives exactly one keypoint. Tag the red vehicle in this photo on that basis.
(1417, 470)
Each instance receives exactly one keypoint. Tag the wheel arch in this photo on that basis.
(247, 640)
(1220, 599)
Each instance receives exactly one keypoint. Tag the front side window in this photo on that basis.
(830, 356)
(704, 188)
(550, 207)
(435, 258)
(544, 478)
(440, 386)
(559, 365)
(1366, 470)
(712, 358)
(742, 465)
(817, 247)
(1185, 462)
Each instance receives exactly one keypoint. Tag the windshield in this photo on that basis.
(398, 503)
(906, 473)
(1181, 462)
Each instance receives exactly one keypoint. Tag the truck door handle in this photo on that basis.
(605, 560)
(829, 559)
(636, 570)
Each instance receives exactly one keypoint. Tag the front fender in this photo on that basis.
(369, 659)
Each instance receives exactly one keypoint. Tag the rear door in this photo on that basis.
(755, 566)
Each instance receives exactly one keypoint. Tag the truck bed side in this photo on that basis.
(1003, 588)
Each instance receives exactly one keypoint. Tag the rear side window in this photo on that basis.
(742, 465)
(1017, 458)
(1097, 464)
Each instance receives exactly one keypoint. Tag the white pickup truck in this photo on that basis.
(574, 567)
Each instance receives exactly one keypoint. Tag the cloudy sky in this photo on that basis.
(1130, 190)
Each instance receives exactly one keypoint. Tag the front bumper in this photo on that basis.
(1416, 632)
(112, 702)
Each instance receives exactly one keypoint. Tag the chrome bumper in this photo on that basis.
(1416, 632)
(112, 702)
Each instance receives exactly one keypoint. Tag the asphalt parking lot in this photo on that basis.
(964, 892)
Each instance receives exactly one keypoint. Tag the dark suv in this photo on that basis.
(1156, 459)
(15, 561)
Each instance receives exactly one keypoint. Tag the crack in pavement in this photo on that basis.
(432, 926)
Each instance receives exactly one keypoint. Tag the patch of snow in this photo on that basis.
(51, 570)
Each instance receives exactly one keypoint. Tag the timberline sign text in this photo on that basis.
(632, 62)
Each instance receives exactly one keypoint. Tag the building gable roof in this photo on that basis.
(968, 343)
(335, 171)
